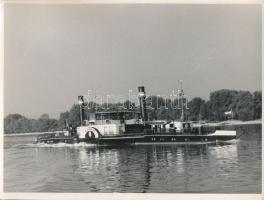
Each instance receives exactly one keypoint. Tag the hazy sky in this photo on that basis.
(53, 53)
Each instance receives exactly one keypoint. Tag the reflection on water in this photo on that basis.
(225, 168)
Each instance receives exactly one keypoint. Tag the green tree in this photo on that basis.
(197, 109)
(257, 98)
(64, 116)
(44, 123)
(16, 123)
(74, 115)
(245, 106)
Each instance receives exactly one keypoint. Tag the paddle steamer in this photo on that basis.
(133, 127)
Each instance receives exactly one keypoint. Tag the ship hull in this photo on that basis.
(157, 139)
(141, 138)
(56, 140)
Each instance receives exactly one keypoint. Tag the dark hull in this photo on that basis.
(56, 140)
(140, 138)
(155, 139)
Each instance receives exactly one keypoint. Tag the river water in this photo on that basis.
(223, 168)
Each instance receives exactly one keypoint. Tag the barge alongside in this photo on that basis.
(133, 127)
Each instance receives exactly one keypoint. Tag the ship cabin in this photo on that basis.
(179, 126)
(110, 123)
(189, 127)
(113, 117)
(170, 126)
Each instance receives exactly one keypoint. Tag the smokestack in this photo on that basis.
(81, 102)
(142, 103)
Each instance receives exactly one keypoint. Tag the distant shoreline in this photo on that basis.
(222, 123)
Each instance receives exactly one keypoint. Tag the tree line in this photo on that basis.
(243, 104)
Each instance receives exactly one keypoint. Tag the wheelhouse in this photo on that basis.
(114, 117)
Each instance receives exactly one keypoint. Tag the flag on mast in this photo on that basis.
(229, 112)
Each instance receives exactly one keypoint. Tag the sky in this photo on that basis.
(53, 53)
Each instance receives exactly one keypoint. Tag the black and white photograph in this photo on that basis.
(132, 98)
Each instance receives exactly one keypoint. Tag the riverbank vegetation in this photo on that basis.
(242, 104)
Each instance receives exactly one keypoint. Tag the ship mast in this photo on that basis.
(181, 94)
(81, 104)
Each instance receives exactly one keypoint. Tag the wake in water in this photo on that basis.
(81, 144)
(234, 141)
